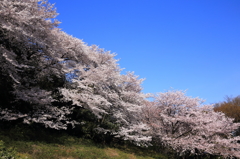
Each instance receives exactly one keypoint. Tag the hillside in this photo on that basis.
(27, 143)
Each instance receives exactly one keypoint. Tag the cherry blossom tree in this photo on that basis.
(100, 87)
(45, 74)
(49, 73)
(30, 64)
(186, 125)
(25, 29)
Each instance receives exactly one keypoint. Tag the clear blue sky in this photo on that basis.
(179, 44)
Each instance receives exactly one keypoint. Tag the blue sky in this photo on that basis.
(179, 44)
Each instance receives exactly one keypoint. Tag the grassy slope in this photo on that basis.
(33, 142)
(75, 148)
(64, 146)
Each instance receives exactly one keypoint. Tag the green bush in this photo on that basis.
(7, 153)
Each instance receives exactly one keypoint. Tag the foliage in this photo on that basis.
(187, 126)
(230, 107)
(7, 153)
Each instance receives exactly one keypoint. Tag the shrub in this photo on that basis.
(7, 153)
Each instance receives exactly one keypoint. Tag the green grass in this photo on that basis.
(68, 147)
(19, 141)
(76, 148)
